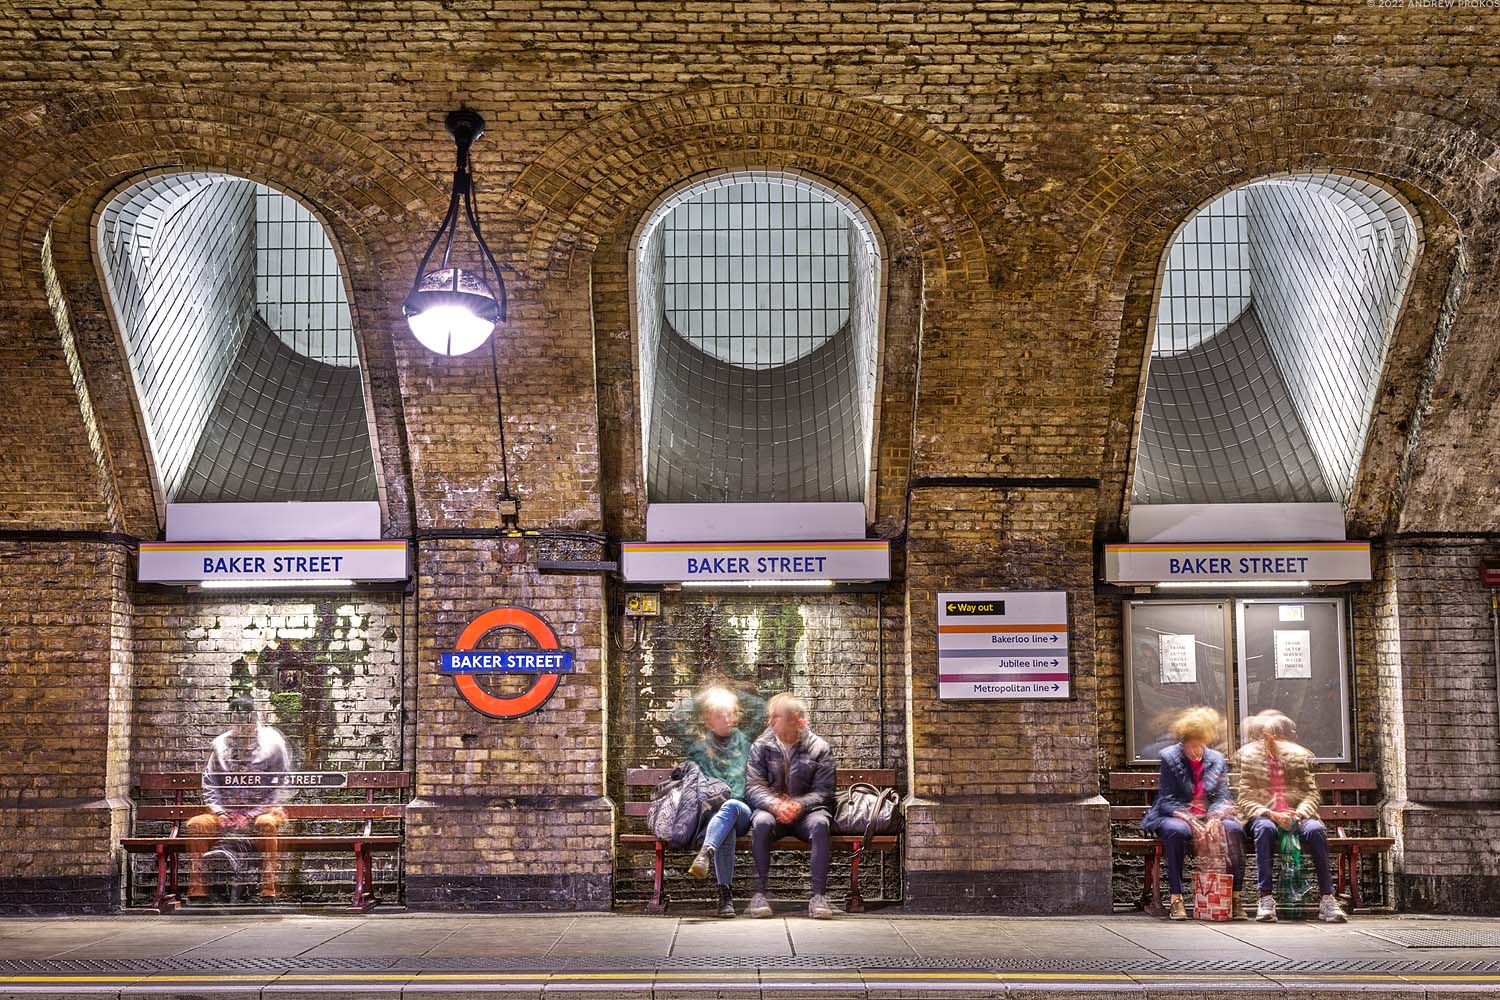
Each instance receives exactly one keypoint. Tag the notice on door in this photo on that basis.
(1293, 653)
(1006, 645)
(1179, 658)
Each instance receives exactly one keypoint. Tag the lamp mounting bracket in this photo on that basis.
(465, 126)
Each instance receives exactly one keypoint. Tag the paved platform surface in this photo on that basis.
(419, 956)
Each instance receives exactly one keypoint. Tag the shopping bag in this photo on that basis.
(1213, 895)
(1293, 883)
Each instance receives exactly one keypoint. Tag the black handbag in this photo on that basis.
(862, 810)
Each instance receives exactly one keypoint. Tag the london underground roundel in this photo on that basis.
(546, 663)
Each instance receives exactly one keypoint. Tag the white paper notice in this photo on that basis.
(1293, 652)
(1291, 612)
(1179, 658)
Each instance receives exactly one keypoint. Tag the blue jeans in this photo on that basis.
(1177, 835)
(731, 821)
(1314, 837)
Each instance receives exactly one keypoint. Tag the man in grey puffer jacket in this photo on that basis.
(789, 782)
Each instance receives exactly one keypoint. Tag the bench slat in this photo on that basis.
(1145, 781)
(293, 811)
(646, 840)
(1132, 781)
(882, 777)
(138, 845)
(1328, 813)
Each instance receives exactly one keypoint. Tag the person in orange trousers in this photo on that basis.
(242, 794)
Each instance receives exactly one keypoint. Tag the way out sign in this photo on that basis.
(545, 663)
(1003, 645)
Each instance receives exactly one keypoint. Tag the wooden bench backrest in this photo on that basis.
(638, 779)
(177, 784)
(1341, 795)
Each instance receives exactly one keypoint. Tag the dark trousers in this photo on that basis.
(1314, 837)
(1177, 835)
(812, 827)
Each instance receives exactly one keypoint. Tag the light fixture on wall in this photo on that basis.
(450, 309)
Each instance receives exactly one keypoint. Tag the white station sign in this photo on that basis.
(201, 562)
(1314, 562)
(1003, 645)
(688, 562)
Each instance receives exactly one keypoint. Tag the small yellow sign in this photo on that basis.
(642, 605)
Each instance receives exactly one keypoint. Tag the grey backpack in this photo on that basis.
(683, 803)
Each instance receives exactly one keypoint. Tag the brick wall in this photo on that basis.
(1434, 711)
(65, 671)
(1008, 813)
(509, 813)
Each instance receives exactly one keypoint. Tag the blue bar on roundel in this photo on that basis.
(508, 661)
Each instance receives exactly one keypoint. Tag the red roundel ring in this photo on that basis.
(542, 687)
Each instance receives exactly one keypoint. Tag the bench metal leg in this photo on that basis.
(856, 903)
(658, 902)
(166, 881)
(1353, 879)
(1153, 875)
(364, 880)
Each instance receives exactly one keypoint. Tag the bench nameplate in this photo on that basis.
(277, 779)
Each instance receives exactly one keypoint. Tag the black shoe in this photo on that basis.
(726, 902)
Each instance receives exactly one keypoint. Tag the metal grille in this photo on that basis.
(299, 289)
(756, 274)
(1276, 306)
(237, 328)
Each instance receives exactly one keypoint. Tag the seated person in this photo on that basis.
(789, 782)
(246, 747)
(722, 753)
(1191, 790)
(1277, 792)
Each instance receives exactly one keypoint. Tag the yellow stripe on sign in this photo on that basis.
(747, 547)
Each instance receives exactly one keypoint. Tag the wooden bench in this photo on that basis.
(169, 847)
(1344, 788)
(636, 808)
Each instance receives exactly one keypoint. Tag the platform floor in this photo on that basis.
(690, 955)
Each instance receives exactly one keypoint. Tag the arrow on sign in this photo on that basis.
(1054, 663)
(1054, 685)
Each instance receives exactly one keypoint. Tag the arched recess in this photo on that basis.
(936, 205)
(1443, 158)
(68, 153)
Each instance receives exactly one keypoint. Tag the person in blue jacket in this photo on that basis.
(1191, 790)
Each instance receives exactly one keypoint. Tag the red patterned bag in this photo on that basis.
(1213, 887)
(1213, 895)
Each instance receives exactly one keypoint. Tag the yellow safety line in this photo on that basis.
(562, 978)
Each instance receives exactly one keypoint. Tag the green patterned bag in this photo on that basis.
(1294, 886)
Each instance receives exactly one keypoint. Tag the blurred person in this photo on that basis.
(1192, 791)
(789, 782)
(246, 747)
(722, 752)
(1277, 793)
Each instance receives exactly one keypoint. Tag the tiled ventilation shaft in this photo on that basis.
(1276, 306)
(233, 312)
(758, 299)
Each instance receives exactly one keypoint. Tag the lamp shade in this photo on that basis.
(451, 311)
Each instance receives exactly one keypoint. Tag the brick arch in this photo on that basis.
(928, 191)
(1442, 156)
(68, 153)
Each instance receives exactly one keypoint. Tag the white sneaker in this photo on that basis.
(1265, 910)
(1330, 912)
